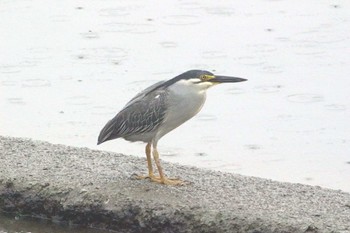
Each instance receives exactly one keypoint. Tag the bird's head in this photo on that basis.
(203, 79)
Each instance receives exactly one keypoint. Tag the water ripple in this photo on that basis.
(59, 18)
(78, 100)
(235, 91)
(8, 83)
(252, 147)
(190, 5)
(101, 55)
(90, 35)
(102, 110)
(17, 101)
(168, 44)
(131, 28)
(9, 69)
(272, 69)
(335, 107)
(181, 20)
(268, 88)
(36, 83)
(222, 11)
(114, 12)
(210, 139)
(206, 117)
(213, 54)
(305, 98)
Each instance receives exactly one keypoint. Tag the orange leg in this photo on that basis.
(162, 179)
(149, 165)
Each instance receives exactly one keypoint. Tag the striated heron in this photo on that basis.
(159, 109)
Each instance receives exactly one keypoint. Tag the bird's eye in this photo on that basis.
(206, 77)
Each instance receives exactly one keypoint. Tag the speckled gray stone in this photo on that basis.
(96, 188)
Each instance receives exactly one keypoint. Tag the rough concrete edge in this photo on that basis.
(17, 197)
(131, 217)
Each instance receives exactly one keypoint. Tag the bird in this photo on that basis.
(159, 109)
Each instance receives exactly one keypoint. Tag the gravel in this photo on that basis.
(97, 189)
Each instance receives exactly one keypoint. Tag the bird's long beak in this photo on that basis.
(226, 79)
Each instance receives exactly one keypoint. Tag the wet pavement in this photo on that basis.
(98, 189)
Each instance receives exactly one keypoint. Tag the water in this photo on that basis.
(69, 67)
(15, 224)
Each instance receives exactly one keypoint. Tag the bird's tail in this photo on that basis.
(107, 133)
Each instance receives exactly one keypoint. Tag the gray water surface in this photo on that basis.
(69, 67)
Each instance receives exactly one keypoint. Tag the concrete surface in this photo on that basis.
(96, 188)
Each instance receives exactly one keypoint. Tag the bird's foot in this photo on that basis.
(170, 181)
(157, 179)
(150, 176)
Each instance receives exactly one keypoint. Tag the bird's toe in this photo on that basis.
(143, 177)
(173, 181)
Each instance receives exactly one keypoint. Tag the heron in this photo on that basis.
(159, 109)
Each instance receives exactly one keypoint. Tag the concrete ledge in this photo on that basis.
(96, 188)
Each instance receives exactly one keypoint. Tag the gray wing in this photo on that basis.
(143, 93)
(142, 114)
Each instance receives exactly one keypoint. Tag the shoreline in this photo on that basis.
(95, 188)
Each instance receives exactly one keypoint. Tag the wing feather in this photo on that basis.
(143, 114)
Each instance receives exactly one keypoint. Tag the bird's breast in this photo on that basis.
(182, 105)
